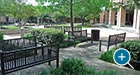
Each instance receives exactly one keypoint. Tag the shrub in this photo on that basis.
(66, 36)
(1, 36)
(72, 66)
(45, 35)
(108, 72)
(133, 46)
(8, 47)
(65, 44)
(28, 36)
(108, 55)
(57, 71)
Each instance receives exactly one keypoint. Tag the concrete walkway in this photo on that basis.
(105, 32)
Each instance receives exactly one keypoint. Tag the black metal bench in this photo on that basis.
(65, 28)
(68, 28)
(80, 35)
(113, 40)
(27, 55)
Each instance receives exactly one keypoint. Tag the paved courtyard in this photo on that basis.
(88, 52)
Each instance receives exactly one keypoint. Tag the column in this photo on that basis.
(112, 17)
(135, 18)
(138, 22)
(91, 21)
(102, 18)
(121, 16)
(106, 16)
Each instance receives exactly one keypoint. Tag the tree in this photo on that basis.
(6, 8)
(88, 9)
(54, 9)
(84, 9)
(16, 9)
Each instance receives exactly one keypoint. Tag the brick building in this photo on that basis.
(121, 17)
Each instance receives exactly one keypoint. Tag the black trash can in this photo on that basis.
(95, 35)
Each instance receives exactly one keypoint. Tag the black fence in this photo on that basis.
(26, 54)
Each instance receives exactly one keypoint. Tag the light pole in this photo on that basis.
(71, 15)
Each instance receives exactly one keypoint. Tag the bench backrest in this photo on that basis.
(116, 39)
(79, 33)
(65, 28)
(68, 28)
(17, 43)
(23, 58)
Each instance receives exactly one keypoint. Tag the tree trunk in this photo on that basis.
(71, 16)
(41, 20)
(83, 22)
(22, 24)
(38, 22)
(0, 23)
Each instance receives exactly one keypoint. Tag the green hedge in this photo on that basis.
(28, 36)
(45, 35)
(1, 36)
(75, 66)
(108, 55)
(133, 46)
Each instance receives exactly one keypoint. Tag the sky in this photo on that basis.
(33, 2)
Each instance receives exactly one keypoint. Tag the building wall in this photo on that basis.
(121, 17)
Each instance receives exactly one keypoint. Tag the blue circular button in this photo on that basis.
(121, 56)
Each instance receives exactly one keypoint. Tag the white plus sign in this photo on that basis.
(122, 57)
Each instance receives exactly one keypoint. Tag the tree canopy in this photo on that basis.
(16, 8)
(84, 9)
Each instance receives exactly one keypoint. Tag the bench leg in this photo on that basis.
(57, 63)
(100, 42)
(108, 48)
(91, 41)
(74, 43)
(49, 63)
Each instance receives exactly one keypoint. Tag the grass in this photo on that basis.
(10, 27)
(84, 26)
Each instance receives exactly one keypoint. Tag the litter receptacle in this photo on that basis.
(95, 35)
